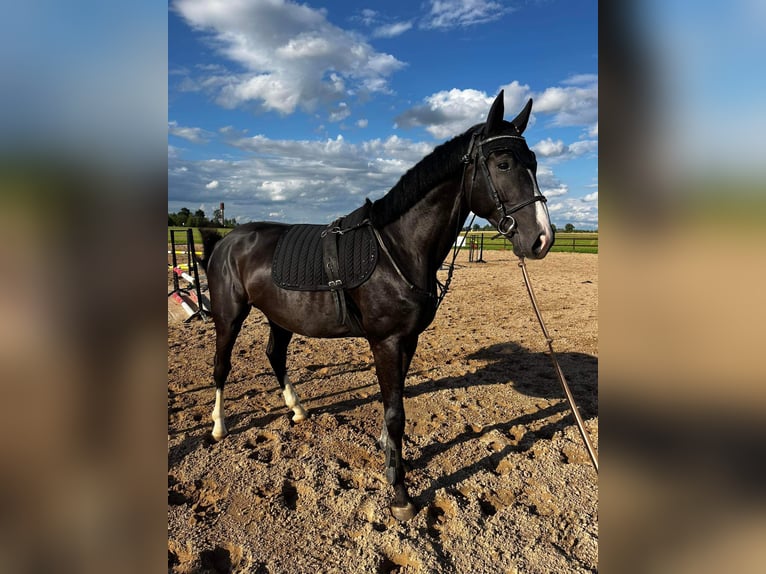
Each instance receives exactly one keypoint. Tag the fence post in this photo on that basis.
(174, 259)
(201, 311)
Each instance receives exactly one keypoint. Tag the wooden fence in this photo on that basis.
(572, 242)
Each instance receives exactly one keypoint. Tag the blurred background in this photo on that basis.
(682, 310)
(83, 179)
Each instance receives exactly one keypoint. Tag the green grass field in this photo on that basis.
(181, 235)
(583, 242)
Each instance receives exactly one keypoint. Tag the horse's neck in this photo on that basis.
(421, 238)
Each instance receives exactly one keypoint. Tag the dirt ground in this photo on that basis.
(496, 465)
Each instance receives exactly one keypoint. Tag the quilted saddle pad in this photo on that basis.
(298, 258)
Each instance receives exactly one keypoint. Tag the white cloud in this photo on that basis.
(583, 147)
(194, 135)
(575, 211)
(575, 104)
(450, 112)
(392, 30)
(550, 185)
(293, 56)
(581, 79)
(446, 14)
(591, 197)
(559, 151)
(319, 179)
(213, 184)
(340, 113)
(362, 123)
(447, 113)
(550, 148)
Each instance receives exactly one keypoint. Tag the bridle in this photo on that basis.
(478, 152)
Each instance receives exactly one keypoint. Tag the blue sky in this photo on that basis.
(296, 112)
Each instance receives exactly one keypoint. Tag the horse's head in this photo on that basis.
(503, 182)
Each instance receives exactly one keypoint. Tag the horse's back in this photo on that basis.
(247, 238)
(247, 249)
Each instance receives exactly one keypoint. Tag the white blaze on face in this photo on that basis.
(541, 214)
(293, 402)
(219, 424)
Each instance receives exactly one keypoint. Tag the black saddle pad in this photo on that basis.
(298, 259)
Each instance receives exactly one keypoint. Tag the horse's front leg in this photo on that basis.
(390, 360)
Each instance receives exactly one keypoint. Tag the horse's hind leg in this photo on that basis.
(276, 351)
(228, 322)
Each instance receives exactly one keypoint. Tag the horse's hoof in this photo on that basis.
(219, 435)
(302, 415)
(403, 513)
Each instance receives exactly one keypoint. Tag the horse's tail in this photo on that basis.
(209, 240)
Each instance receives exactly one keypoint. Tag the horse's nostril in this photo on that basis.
(540, 244)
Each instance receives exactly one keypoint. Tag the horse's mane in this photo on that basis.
(435, 168)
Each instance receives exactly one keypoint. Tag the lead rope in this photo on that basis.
(559, 372)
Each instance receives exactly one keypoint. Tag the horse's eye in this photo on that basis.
(503, 166)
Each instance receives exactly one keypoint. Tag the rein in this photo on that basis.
(559, 372)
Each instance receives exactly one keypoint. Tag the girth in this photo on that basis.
(332, 268)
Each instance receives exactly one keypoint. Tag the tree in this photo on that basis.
(182, 216)
(569, 227)
(198, 219)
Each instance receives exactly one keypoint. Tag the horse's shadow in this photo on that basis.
(528, 372)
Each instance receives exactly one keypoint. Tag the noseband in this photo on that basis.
(480, 150)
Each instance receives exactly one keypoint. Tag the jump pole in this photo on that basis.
(180, 272)
(186, 307)
(201, 311)
(192, 277)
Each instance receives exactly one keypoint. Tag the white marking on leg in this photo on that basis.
(219, 424)
(383, 440)
(293, 402)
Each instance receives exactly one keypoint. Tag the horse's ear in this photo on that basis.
(495, 116)
(520, 121)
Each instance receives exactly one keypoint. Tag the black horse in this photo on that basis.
(488, 170)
